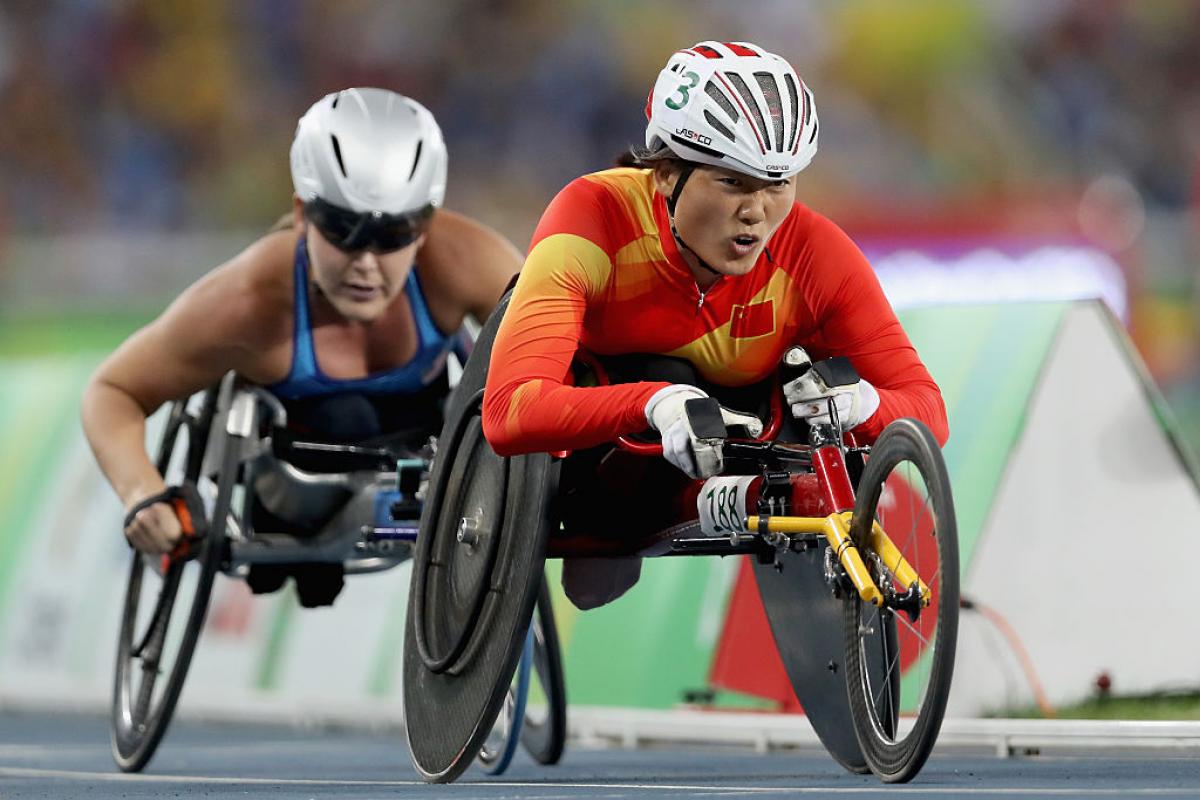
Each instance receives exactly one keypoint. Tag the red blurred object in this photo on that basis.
(746, 660)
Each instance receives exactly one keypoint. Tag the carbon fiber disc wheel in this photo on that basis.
(477, 566)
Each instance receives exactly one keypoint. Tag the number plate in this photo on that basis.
(722, 505)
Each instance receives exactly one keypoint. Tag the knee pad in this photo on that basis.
(593, 582)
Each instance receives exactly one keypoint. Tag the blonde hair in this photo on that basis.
(285, 223)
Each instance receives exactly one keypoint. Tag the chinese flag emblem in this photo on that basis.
(756, 319)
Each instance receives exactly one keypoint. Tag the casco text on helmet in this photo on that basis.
(369, 150)
(734, 105)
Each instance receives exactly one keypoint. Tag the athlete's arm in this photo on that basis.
(473, 263)
(857, 321)
(208, 330)
(529, 406)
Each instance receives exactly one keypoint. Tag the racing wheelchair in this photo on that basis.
(855, 552)
(227, 454)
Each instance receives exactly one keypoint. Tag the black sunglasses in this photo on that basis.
(351, 231)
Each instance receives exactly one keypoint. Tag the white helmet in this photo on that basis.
(733, 105)
(369, 150)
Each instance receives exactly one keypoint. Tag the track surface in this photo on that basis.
(60, 756)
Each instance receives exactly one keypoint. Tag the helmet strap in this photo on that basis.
(684, 173)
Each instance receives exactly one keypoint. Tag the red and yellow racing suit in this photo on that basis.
(604, 274)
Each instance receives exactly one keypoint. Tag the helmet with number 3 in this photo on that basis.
(733, 105)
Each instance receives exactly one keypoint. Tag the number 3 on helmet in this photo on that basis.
(733, 105)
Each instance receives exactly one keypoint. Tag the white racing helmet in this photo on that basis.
(733, 105)
(369, 150)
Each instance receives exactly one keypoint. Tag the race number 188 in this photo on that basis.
(722, 505)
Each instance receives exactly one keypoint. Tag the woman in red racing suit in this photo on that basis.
(726, 275)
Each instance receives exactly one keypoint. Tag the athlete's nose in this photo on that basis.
(364, 261)
(752, 209)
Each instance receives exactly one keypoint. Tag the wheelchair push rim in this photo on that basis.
(898, 683)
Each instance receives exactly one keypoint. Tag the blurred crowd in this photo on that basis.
(1059, 119)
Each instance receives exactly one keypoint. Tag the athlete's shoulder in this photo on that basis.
(251, 297)
(623, 182)
(265, 270)
(807, 235)
(463, 266)
(609, 208)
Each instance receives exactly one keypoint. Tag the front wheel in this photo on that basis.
(898, 683)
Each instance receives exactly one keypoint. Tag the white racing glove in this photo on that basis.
(809, 398)
(667, 414)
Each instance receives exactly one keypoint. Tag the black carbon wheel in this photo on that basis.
(164, 609)
(477, 565)
(898, 683)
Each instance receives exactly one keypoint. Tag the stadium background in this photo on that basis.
(146, 142)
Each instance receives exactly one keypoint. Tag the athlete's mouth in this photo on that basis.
(359, 290)
(743, 244)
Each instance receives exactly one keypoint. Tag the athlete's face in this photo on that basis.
(360, 285)
(726, 217)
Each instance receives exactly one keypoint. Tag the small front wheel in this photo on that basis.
(898, 683)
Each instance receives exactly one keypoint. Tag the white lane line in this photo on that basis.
(114, 777)
(120, 777)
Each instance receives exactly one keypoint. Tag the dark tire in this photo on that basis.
(477, 565)
(545, 731)
(148, 677)
(898, 683)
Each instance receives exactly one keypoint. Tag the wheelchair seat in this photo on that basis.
(303, 481)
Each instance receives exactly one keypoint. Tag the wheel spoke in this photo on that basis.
(914, 631)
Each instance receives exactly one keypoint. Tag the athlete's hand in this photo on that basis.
(698, 457)
(809, 398)
(155, 529)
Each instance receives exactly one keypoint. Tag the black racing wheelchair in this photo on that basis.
(231, 462)
(856, 560)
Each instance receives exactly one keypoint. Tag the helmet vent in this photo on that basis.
(714, 91)
(719, 126)
(791, 87)
(337, 152)
(807, 108)
(416, 158)
(744, 91)
(770, 90)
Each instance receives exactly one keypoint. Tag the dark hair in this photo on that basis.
(646, 157)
